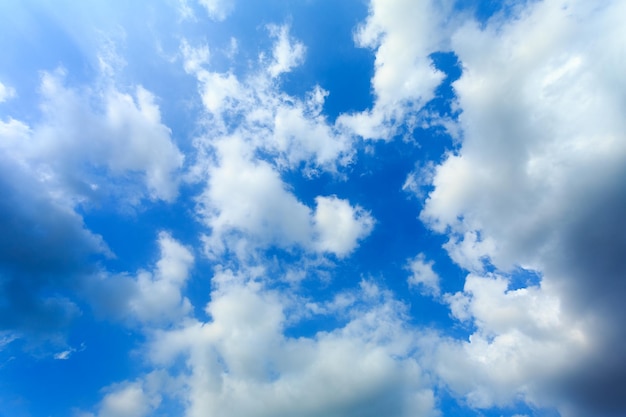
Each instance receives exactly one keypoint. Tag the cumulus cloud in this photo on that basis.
(249, 197)
(123, 134)
(88, 145)
(246, 203)
(159, 293)
(127, 136)
(403, 34)
(292, 130)
(129, 399)
(153, 297)
(536, 184)
(339, 225)
(522, 344)
(241, 363)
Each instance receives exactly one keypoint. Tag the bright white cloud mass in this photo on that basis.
(364, 208)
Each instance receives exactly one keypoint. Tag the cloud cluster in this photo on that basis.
(523, 342)
(246, 203)
(537, 184)
(531, 96)
(532, 202)
(242, 363)
(87, 147)
(83, 131)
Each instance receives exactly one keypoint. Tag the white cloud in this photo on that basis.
(194, 58)
(64, 355)
(403, 33)
(523, 343)
(423, 275)
(6, 93)
(147, 144)
(185, 10)
(218, 9)
(127, 400)
(523, 147)
(246, 204)
(241, 363)
(536, 184)
(159, 293)
(6, 338)
(287, 54)
(339, 225)
(301, 133)
(122, 133)
(249, 197)
(291, 129)
(150, 297)
(418, 181)
(496, 309)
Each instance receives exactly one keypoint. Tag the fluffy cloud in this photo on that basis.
(150, 297)
(44, 246)
(423, 276)
(241, 363)
(159, 294)
(218, 9)
(75, 138)
(287, 52)
(137, 398)
(291, 129)
(126, 136)
(403, 33)
(537, 184)
(246, 203)
(523, 343)
(6, 93)
(249, 197)
(50, 168)
(339, 225)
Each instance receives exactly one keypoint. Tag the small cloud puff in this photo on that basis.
(423, 276)
(216, 9)
(287, 53)
(339, 225)
(6, 93)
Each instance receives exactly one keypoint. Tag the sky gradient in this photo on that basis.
(312, 208)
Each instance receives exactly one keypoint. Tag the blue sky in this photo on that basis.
(312, 208)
